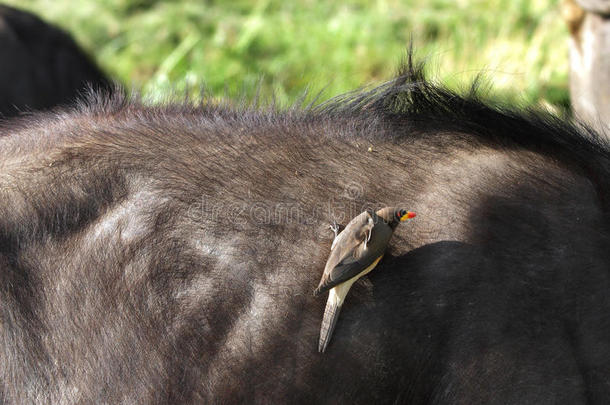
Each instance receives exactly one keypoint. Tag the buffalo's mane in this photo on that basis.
(407, 105)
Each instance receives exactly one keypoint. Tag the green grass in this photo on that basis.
(232, 47)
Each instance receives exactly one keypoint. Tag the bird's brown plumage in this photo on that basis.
(354, 252)
(350, 255)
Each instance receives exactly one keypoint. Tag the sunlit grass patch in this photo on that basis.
(286, 47)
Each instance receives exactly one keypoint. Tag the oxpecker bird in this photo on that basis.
(353, 253)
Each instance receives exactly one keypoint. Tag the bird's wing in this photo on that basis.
(349, 257)
(354, 265)
(352, 239)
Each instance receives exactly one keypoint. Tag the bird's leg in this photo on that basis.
(335, 228)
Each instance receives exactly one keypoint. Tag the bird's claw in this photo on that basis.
(335, 228)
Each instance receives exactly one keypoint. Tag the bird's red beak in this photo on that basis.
(408, 215)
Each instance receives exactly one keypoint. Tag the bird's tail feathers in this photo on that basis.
(331, 314)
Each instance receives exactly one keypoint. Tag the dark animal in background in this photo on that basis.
(168, 254)
(41, 66)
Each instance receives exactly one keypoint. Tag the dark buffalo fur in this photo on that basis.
(169, 254)
(41, 66)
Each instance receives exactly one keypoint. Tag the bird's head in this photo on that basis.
(393, 215)
(403, 215)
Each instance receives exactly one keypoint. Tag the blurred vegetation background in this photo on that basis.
(287, 47)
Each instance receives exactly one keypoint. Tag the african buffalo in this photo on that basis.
(168, 254)
(41, 66)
